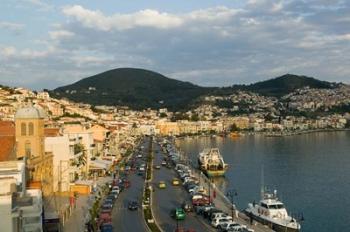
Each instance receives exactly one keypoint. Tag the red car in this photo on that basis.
(104, 218)
(126, 183)
(200, 201)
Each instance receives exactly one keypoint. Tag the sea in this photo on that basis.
(311, 173)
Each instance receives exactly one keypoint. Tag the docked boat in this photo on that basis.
(211, 162)
(271, 212)
(234, 135)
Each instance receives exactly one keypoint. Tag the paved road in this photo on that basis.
(164, 200)
(125, 220)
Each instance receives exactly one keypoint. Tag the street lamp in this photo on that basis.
(231, 193)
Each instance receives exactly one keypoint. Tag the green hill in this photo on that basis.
(285, 84)
(137, 88)
(140, 89)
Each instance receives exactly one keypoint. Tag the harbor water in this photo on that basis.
(311, 173)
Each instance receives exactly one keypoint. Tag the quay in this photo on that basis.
(220, 201)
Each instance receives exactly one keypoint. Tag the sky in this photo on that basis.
(47, 44)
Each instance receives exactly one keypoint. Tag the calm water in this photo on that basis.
(311, 173)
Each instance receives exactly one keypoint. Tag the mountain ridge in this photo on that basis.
(141, 88)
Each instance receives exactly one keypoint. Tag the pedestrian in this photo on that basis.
(251, 218)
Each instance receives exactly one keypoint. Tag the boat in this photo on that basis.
(211, 162)
(271, 212)
(234, 135)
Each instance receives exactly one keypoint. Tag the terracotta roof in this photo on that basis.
(52, 132)
(7, 128)
(7, 148)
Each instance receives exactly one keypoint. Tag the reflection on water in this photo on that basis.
(309, 171)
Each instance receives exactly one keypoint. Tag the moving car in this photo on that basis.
(175, 182)
(156, 166)
(162, 185)
(133, 205)
(187, 207)
(178, 214)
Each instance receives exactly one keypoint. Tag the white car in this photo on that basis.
(216, 222)
(221, 215)
(231, 226)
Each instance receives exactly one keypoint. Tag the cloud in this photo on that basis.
(144, 18)
(14, 27)
(60, 34)
(215, 46)
(7, 51)
(41, 5)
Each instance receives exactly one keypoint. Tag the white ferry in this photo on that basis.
(271, 212)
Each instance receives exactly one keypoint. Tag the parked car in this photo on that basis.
(231, 226)
(201, 201)
(104, 218)
(156, 166)
(220, 215)
(219, 222)
(106, 227)
(107, 204)
(204, 209)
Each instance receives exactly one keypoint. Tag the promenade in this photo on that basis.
(80, 214)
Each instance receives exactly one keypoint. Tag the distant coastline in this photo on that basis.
(266, 133)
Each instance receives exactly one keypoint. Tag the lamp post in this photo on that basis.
(231, 193)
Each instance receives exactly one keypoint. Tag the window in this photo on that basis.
(28, 149)
(23, 129)
(31, 128)
(264, 205)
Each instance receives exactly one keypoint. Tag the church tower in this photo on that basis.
(30, 141)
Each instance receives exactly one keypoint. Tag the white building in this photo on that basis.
(20, 209)
(63, 172)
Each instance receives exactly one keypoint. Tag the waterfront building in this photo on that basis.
(168, 128)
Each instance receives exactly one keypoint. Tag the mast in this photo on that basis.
(262, 190)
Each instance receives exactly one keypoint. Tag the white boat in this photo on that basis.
(271, 212)
(211, 162)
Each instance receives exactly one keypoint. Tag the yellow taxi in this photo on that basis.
(175, 182)
(161, 185)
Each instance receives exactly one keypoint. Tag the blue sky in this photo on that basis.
(46, 44)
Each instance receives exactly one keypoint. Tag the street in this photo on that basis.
(171, 197)
(123, 219)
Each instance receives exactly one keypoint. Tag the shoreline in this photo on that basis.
(267, 134)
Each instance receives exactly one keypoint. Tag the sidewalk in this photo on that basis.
(80, 215)
(224, 204)
(76, 222)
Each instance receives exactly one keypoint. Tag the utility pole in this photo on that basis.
(231, 193)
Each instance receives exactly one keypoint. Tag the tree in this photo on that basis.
(195, 117)
(81, 160)
(163, 115)
(233, 128)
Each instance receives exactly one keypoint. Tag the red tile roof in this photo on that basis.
(52, 132)
(7, 128)
(7, 141)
